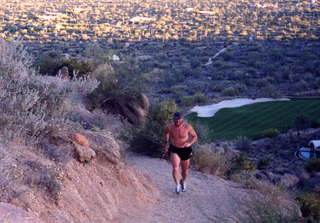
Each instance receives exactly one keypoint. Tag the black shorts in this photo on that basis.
(183, 153)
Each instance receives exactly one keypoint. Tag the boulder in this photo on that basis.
(105, 146)
(84, 154)
(82, 147)
(13, 214)
(134, 109)
(145, 104)
(80, 139)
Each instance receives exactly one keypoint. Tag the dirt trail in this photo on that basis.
(208, 198)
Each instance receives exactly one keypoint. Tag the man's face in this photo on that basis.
(178, 122)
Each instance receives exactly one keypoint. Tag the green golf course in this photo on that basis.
(256, 120)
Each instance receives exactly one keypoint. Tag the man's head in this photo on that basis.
(177, 119)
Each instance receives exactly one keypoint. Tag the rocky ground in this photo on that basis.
(277, 161)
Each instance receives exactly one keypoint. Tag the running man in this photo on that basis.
(178, 138)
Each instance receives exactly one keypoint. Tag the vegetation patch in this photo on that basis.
(147, 139)
(258, 120)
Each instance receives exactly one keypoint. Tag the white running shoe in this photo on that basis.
(178, 189)
(183, 186)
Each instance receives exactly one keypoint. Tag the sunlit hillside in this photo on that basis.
(134, 20)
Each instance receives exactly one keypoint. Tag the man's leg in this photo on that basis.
(175, 161)
(185, 164)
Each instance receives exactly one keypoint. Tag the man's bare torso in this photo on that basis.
(179, 135)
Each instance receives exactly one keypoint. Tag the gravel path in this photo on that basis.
(208, 198)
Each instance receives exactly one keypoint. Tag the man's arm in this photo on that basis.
(165, 137)
(194, 136)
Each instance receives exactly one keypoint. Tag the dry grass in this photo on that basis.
(270, 203)
(211, 161)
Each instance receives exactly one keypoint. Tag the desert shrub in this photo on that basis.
(216, 88)
(147, 139)
(268, 203)
(230, 91)
(50, 64)
(210, 161)
(270, 91)
(270, 133)
(274, 193)
(30, 103)
(178, 89)
(262, 82)
(196, 98)
(242, 87)
(44, 177)
(81, 68)
(242, 143)
(313, 165)
(117, 81)
(200, 98)
(310, 206)
(187, 100)
(241, 163)
(262, 211)
(263, 163)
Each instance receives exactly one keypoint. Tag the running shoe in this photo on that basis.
(178, 189)
(183, 186)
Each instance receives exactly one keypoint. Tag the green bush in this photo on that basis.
(313, 165)
(178, 89)
(210, 161)
(270, 133)
(117, 81)
(200, 98)
(196, 98)
(263, 163)
(230, 91)
(187, 100)
(50, 63)
(241, 163)
(310, 206)
(147, 139)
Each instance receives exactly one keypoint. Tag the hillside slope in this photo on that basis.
(60, 189)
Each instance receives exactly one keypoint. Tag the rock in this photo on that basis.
(145, 104)
(13, 214)
(289, 180)
(85, 154)
(133, 109)
(105, 145)
(80, 139)
(82, 147)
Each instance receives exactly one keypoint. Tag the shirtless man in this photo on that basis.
(181, 136)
